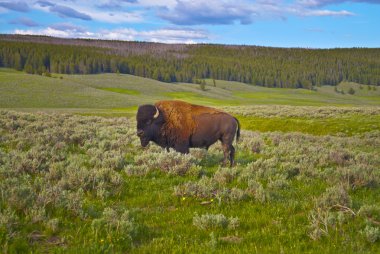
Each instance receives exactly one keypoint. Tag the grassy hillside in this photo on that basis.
(117, 91)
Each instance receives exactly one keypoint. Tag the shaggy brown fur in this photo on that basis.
(179, 118)
(181, 126)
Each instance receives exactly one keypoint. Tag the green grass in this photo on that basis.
(120, 90)
(351, 125)
(299, 97)
(165, 221)
(193, 97)
(360, 90)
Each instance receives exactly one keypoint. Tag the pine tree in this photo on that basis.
(202, 85)
(351, 91)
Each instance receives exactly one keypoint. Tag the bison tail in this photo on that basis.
(238, 130)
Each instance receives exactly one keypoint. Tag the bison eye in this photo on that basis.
(140, 133)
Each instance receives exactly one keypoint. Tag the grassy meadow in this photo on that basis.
(115, 92)
(74, 178)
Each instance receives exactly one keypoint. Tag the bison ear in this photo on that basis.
(156, 114)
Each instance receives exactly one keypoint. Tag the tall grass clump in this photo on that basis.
(114, 228)
(170, 162)
(215, 221)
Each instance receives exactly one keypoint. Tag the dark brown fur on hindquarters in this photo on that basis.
(180, 125)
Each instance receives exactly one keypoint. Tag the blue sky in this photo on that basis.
(287, 23)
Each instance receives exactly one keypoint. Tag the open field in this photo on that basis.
(116, 92)
(81, 183)
(306, 181)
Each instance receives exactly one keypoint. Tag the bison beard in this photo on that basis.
(180, 125)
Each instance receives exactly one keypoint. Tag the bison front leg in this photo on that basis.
(182, 148)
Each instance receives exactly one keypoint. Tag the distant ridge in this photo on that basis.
(262, 66)
(110, 44)
(115, 43)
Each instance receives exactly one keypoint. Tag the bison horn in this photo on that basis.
(157, 113)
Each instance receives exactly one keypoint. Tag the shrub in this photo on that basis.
(256, 190)
(257, 145)
(47, 74)
(371, 213)
(225, 175)
(215, 221)
(278, 184)
(237, 194)
(196, 171)
(170, 162)
(333, 196)
(261, 168)
(36, 214)
(206, 187)
(339, 157)
(202, 84)
(119, 226)
(18, 192)
(351, 91)
(72, 201)
(53, 225)
(359, 175)
(372, 234)
(290, 169)
(332, 209)
(213, 241)
(319, 220)
(9, 222)
(198, 154)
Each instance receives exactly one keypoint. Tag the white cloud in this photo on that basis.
(216, 12)
(185, 12)
(158, 3)
(47, 31)
(318, 3)
(120, 15)
(168, 35)
(327, 13)
(165, 35)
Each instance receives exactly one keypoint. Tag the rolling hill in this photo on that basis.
(123, 91)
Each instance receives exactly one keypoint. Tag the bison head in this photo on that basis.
(149, 121)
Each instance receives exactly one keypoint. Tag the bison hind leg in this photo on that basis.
(228, 149)
(232, 156)
(229, 154)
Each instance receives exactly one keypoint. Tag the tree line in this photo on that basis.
(262, 66)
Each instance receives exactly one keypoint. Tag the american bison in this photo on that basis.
(180, 125)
